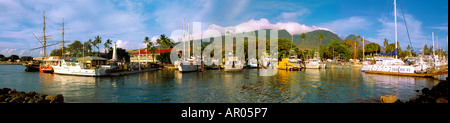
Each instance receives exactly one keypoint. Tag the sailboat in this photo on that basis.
(187, 64)
(395, 66)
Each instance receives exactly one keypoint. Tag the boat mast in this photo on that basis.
(45, 41)
(432, 37)
(395, 23)
(363, 49)
(184, 43)
(62, 30)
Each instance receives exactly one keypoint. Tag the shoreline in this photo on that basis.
(437, 94)
(12, 96)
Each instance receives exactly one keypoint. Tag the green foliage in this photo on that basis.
(284, 47)
(335, 49)
(372, 48)
(2, 57)
(164, 42)
(96, 43)
(163, 57)
(121, 54)
(26, 58)
(311, 39)
(107, 45)
(56, 52)
(76, 48)
(12, 58)
(150, 47)
(385, 43)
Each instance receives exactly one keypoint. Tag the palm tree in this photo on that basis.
(108, 44)
(88, 46)
(321, 37)
(97, 41)
(150, 47)
(163, 40)
(303, 36)
(385, 44)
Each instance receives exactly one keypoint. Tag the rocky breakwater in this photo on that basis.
(12, 96)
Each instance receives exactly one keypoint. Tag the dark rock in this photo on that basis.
(425, 91)
(441, 100)
(31, 94)
(16, 100)
(57, 98)
(12, 96)
(6, 89)
(32, 100)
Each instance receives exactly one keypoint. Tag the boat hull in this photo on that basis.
(80, 72)
(312, 66)
(32, 68)
(187, 68)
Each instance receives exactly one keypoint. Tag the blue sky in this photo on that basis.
(127, 22)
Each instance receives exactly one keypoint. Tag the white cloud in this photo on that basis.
(122, 44)
(291, 27)
(8, 52)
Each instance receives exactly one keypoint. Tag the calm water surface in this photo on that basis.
(211, 86)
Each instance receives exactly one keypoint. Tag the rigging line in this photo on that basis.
(404, 19)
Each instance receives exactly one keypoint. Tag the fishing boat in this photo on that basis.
(46, 65)
(86, 66)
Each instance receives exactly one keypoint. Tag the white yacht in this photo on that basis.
(187, 66)
(389, 65)
(312, 63)
(253, 63)
(86, 66)
(233, 63)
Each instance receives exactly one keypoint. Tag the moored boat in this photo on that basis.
(86, 66)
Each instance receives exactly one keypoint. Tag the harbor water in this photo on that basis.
(214, 86)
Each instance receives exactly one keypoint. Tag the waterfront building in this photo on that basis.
(145, 56)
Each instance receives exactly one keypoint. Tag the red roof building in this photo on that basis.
(145, 52)
(146, 57)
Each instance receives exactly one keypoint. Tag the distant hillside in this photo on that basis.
(350, 37)
(312, 40)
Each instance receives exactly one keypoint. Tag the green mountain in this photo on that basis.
(311, 41)
(350, 37)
